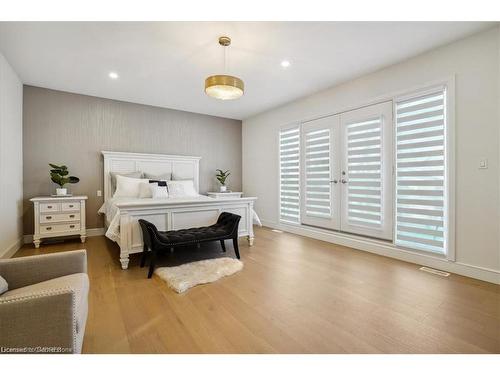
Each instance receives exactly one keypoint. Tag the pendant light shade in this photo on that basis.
(222, 86)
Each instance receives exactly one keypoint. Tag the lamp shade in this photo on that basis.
(224, 87)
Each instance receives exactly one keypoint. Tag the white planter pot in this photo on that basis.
(61, 191)
(223, 188)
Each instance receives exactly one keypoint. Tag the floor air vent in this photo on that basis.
(435, 272)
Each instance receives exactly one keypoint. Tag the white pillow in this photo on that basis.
(3, 285)
(128, 187)
(146, 189)
(181, 188)
(162, 177)
(131, 174)
(159, 192)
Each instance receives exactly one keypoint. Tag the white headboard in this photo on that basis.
(181, 167)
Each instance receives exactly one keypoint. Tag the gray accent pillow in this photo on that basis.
(114, 174)
(3, 285)
(158, 177)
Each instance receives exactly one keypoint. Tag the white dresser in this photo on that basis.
(58, 217)
(227, 195)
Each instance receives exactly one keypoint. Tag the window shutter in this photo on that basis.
(317, 184)
(289, 174)
(420, 172)
(364, 165)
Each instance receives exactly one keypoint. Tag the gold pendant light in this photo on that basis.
(221, 86)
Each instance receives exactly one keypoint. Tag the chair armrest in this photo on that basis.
(20, 272)
(42, 322)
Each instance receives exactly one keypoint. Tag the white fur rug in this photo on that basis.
(183, 277)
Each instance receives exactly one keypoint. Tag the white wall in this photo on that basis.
(11, 159)
(474, 62)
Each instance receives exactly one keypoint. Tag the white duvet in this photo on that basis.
(112, 213)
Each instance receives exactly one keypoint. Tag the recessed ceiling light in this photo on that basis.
(285, 63)
(113, 75)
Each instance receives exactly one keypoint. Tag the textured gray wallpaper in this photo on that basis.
(73, 129)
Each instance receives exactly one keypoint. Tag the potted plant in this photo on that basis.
(59, 175)
(221, 177)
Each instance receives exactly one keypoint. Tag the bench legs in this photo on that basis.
(152, 264)
(152, 255)
(236, 248)
(144, 255)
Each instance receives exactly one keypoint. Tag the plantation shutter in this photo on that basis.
(366, 177)
(364, 166)
(420, 172)
(320, 170)
(289, 174)
(317, 183)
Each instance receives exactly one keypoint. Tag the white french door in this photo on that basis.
(346, 171)
(383, 171)
(366, 176)
(320, 161)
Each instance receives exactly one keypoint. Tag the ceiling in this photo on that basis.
(165, 63)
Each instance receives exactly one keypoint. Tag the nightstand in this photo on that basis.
(58, 217)
(227, 195)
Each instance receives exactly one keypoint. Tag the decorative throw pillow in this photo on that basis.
(162, 177)
(128, 187)
(146, 189)
(131, 175)
(158, 182)
(159, 192)
(3, 285)
(181, 189)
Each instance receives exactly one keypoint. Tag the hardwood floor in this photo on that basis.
(294, 295)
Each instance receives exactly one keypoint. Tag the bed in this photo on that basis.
(122, 214)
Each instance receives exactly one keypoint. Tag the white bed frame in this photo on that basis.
(168, 215)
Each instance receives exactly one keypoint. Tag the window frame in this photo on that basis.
(448, 86)
(450, 152)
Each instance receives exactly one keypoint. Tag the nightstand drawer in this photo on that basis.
(51, 218)
(50, 207)
(59, 228)
(70, 206)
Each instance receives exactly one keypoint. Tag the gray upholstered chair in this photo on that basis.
(46, 305)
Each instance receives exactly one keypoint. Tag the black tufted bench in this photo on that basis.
(154, 241)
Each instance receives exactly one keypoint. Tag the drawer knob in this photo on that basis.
(49, 217)
(49, 228)
(71, 226)
(49, 206)
(71, 216)
(71, 206)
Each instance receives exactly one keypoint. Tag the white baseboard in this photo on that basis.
(91, 232)
(389, 250)
(11, 250)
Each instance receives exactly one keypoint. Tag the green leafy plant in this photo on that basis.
(222, 176)
(59, 175)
